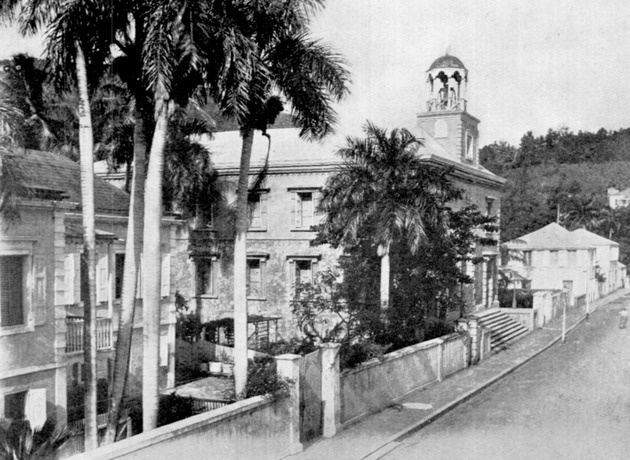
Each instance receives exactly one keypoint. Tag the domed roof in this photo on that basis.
(447, 61)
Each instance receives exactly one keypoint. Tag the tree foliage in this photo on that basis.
(563, 177)
(386, 194)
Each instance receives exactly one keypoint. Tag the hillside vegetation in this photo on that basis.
(563, 177)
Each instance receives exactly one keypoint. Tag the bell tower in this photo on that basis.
(446, 118)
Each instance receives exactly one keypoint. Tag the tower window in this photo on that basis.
(470, 146)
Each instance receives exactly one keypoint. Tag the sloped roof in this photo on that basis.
(49, 171)
(552, 236)
(624, 193)
(592, 238)
(287, 150)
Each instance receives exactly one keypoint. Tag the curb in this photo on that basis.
(392, 442)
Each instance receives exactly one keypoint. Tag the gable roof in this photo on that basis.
(554, 236)
(592, 238)
(551, 236)
(60, 177)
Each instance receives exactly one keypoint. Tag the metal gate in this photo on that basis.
(311, 407)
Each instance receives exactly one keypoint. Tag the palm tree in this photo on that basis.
(384, 193)
(70, 41)
(310, 76)
(72, 45)
(189, 47)
(19, 441)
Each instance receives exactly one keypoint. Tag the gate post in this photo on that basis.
(331, 396)
(289, 367)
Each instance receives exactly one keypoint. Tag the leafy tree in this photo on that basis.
(498, 156)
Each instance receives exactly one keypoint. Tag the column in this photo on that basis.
(331, 395)
(289, 368)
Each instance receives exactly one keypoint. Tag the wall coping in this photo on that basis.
(398, 354)
(166, 432)
(518, 310)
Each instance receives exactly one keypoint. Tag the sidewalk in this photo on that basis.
(379, 433)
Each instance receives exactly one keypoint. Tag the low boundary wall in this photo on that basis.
(379, 383)
(257, 427)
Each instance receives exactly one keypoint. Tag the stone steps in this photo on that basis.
(503, 329)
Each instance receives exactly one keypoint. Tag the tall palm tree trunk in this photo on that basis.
(240, 265)
(383, 252)
(133, 249)
(86, 145)
(151, 275)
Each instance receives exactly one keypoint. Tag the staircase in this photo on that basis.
(503, 329)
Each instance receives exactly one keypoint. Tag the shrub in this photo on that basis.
(263, 380)
(173, 408)
(294, 346)
(352, 355)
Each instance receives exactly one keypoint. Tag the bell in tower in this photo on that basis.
(447, 78)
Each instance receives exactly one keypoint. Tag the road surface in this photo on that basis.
(571, 402)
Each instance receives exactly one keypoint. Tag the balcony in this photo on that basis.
(74, 334)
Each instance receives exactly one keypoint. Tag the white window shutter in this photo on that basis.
(139, 278)
(298, 210)
(263, 210)
(101, 278)
(166, 275)
(293, 209)
(76, 283)
(69, 278)
(35, 407)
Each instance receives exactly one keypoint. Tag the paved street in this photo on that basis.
(571, 402)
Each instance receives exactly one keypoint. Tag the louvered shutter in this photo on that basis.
(11, 290)
(166, 275)
(70, 276)
(317, 214)
(263, 209)
(39, 294)
(298, 210)
(102, 270)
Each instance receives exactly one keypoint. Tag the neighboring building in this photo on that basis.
(283, 211)
(41, 315)
(555, 258)
(617, 198)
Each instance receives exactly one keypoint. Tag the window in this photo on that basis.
(11, 290)
(303, 272)
(470, 146)
(255, 286)
(14, 405)
(119, 267)
(553, 258)
(527, 258)
(255, 215)
(302, 269)
(257, 211)
(206, 276)
(304, 214)
(304, 210)
(572, 257)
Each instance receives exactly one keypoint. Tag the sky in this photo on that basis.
(533, 64)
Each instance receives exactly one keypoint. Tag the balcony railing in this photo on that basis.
(74, 334)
